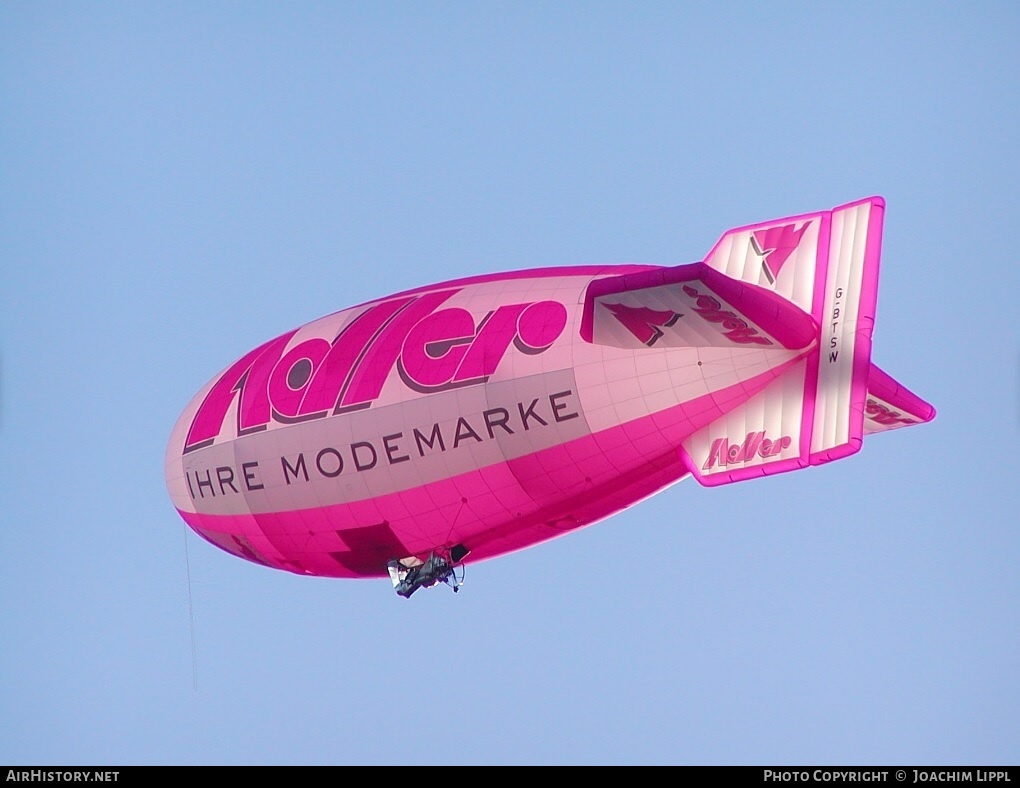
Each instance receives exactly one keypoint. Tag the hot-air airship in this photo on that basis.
(414, 434)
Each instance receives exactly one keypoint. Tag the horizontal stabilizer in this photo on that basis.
(891, 405)
(691, 306)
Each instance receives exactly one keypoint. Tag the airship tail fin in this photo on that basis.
(891, 405)
(691, 306)
(826, 265)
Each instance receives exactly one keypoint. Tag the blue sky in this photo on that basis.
(181, 181)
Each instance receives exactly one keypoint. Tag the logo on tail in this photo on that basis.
(774, 246)
(886, 416)
(725, 453)
(642, 322)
